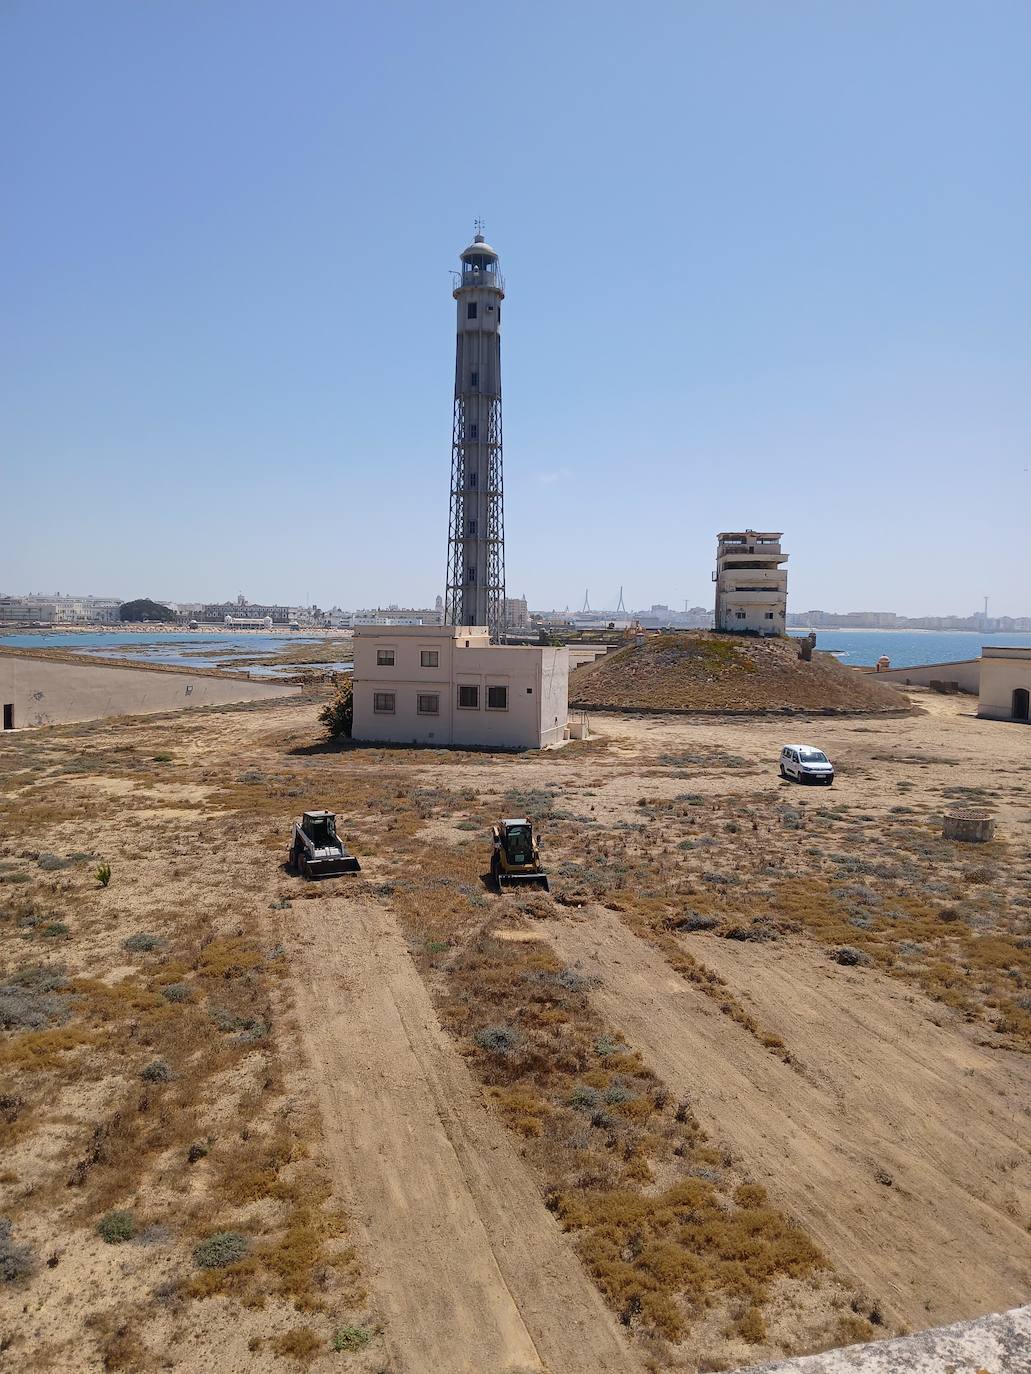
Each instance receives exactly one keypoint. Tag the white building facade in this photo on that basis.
(751, 584)
(447, 685)
(1005, 683)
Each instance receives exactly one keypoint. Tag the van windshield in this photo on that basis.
(812, 756)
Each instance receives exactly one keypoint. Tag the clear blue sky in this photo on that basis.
(767, 265)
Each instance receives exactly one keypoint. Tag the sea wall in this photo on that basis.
(43, 692)
(966, 672)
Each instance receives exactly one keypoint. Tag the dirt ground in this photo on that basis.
(648, 1122)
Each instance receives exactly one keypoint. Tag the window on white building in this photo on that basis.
(383, 703)
(429, 704)
(468, 697)
(429, 658)
(497, 698)
(385, 659)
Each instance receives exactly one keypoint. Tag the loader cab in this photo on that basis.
(320, 827)
(518, 841)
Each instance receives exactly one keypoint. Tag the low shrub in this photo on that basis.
(116, 1227)
(351, 1338)
(157, 1071)
(102, 873)
(16, 1261)
(27, 1002)
(142, 942)
(584, 1098)
(50, 863)
(221, 1249)
(297, 1344)
(177, 992)
(497, 1039)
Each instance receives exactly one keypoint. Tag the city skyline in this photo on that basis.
(877, 619)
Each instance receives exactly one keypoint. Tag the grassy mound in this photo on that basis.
(701, 671)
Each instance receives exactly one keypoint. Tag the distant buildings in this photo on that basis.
(517, 614)
(888, 620)
(751, 585)
(216, 613)
(397, 615)
(58, 610)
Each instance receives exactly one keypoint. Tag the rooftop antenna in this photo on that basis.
(621, 609)
(478, 227)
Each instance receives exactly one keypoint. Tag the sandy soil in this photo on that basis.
(462, 1262)
(885, 1087)
(471, 1271)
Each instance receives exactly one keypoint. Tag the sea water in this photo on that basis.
(190, 649)
(908, 648)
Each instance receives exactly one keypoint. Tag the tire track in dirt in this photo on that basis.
(471, 1272)
(882, 1088)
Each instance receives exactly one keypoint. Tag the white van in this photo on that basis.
(805, 763)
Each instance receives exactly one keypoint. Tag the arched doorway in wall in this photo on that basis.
(1021, 704)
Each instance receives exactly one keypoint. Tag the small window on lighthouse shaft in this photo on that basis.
(470, 311)
(474, 379)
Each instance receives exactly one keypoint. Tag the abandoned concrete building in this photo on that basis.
(751, 585)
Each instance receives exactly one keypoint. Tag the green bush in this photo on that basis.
(102, 873)
(142, 943)
(177, 992)
(584, 1097)
(496, 1039)
(338, 714)
(221, 1250)
(351, 1338)
(116, 1227)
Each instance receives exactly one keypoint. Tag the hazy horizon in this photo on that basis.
(765, 267)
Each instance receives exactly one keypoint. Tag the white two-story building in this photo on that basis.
(448, 685)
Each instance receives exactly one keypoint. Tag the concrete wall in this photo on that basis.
(47, 693)
(965, 671)
(999, 1344)
(536, 681)
(1003, 671)
(586, 653)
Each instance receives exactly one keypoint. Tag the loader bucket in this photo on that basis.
(329, 868)
(530, 879)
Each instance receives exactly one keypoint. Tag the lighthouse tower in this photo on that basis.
(476, 534)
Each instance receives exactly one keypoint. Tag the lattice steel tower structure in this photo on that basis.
(476, 533)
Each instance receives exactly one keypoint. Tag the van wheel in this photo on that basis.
(782, 773)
